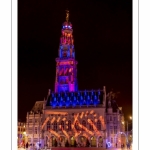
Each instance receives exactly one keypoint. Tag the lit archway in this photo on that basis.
(100, 141)
(46, 141)
(62, 141)
(121, 133)
(72, 141)
(93, 141)
(83, 141)
(54, 141)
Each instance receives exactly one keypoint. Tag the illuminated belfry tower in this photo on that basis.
(66, 65)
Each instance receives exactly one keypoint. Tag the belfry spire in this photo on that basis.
(67, 15)
(66, 65)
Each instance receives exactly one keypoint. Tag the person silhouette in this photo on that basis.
(27, 145)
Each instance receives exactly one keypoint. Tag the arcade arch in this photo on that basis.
(72, 141)
(82, 141)
(93, 141)
(100, 141)
(53, 141)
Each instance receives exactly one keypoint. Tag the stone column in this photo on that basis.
(97, 141)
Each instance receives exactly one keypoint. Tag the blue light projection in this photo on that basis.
(73, 99)
(67, 27)
(109, 144)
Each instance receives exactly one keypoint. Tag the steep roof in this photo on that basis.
(114, 106)
(38, 106)
(85, 98)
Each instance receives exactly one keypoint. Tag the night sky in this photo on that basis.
(102, 31)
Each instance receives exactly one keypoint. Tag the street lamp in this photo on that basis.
(24, 133)
(127, 127)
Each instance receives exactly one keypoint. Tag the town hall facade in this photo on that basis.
(69, 116)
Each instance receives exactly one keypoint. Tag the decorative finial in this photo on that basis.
(67, 15)
(49, 92)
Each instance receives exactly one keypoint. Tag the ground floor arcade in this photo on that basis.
(72, 141)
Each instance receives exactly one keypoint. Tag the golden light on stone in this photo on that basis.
(45, 122)
(91, 112)
(53, 120)
(95, 115)
(58, 119)
(64, 119)
(65, 133)
(81, 115)
(57, 113)
(86, 132)
(53, 132)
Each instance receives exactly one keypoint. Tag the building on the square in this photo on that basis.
(71, 117)
(34, 123)
(21, 137)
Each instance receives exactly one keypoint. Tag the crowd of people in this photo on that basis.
(127, 145)
(122, 146)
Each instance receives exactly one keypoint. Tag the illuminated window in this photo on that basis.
(30, 130)
(48, 126)
(110, 118)
(83, 124)
(111, 140)
(116, 140)
(35, 130)
(69, 125)
(111, 131)
(91, 126)
(29, 139)
(35, 139)
(98, 125)
(114, 118)
(55, 126)
(77, 126)
(62, 125)
(107, 118)
(30, 120)
(115, 129)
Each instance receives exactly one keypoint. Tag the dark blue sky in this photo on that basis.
(102, 32)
